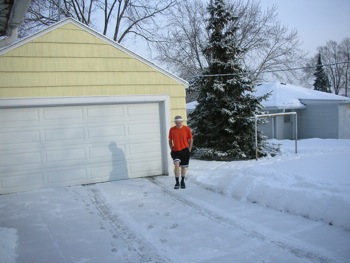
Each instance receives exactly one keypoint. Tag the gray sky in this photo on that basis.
(317, 21)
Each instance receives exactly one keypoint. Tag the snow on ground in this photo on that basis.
(8, 242)
(289, 208)
(315, 183)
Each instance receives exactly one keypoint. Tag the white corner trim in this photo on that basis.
(65, 101)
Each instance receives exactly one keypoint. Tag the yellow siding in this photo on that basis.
(59, 64)
(91, 91)
(68, 34)
(81, 79)
(70, 61)
(67, 50)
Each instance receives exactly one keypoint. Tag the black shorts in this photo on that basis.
(182, 156)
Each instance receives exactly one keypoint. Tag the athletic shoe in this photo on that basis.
(183, 186)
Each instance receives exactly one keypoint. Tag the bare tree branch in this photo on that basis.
(266, 45)
(332, 53)
(128, 17)
(335, 57)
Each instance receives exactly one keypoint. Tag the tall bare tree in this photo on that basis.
(267, 46)
(336, 58)
(345, 51)
(181, 50)
(118, 18)
(332, 54)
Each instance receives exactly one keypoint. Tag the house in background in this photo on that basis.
(77, 108)
(319, 114)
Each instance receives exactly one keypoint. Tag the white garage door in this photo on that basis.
(68, 145)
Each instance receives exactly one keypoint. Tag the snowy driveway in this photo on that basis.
(145, 220)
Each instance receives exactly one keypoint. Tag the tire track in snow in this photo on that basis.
(145, 251)
(233, 225)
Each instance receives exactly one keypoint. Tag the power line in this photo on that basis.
(276, 70)
(325, 65)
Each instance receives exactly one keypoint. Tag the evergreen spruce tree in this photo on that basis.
(321, 79)
(223, 121)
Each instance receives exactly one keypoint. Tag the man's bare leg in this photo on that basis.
(177, 173)
(183, 173)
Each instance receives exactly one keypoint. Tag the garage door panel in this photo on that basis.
(105, 111)
(144, 147)
(14, 181)
(19, 115)
(66, 155)
(148, 110)
(143, 129)
(15, 136)
(105, 173)
(33, 163)
(145, 137)
(148, 168)
(9, 160)
(109, 151)
(64, 134)
(62, 177)
(64, 113)
(105, 131)
(143, 119)
(59, 146)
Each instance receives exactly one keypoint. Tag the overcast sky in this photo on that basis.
(317, 21)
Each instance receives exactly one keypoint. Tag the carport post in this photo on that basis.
(296, 132)
(256, 138)
(273, 115)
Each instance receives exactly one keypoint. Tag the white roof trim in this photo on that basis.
(96, 34)
(301, 107)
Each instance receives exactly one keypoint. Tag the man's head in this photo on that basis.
(178, 121)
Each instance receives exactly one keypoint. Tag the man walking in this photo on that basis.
(180, 142)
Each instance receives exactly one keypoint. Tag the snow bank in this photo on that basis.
(8, 242)
(313, 183)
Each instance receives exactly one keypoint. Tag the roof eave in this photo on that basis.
(345, 100)
(301, 107)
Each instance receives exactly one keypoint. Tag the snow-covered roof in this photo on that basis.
(287, 96)
(191, 105)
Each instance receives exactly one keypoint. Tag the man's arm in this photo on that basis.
(171, 144)
(190, 143)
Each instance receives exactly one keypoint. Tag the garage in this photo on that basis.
(61, 145)
(79, 108)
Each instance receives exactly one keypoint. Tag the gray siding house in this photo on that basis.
(319, 114)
